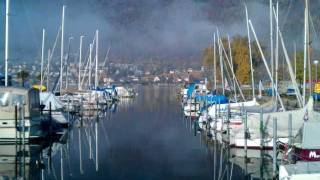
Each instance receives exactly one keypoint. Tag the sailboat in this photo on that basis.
(53, 104)
(234, 107)
(262, 123)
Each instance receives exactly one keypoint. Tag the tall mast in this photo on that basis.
(232, 69)
(265, 63)
(250, 55)
(221, 63)
(48, 67)
(271, 48)
(277, 51)
(6, 56)
(295, 60)
(214, 62)
(309, 49)
(62, 47)
(96, 82)
(305, 55)
(66, 61)
(80, 62)
(42, 58)
(90, 65)
(291, 73)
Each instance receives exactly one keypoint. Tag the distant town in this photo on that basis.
(116, 72)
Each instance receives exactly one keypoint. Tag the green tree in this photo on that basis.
(299, 68)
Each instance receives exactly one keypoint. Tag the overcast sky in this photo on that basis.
(133, 28)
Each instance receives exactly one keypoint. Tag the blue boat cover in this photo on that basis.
(212, 99)
(191, 88)
(316, 96)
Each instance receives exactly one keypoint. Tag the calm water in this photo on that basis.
(144, 138)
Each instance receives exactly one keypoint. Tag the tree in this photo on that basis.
(23, 75)
(208, 58)
(300, 55)
(207, 64)
(241, 59)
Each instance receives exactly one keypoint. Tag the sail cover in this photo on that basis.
(47, 97)
(310, 135)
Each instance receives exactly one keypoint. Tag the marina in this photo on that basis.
(108, 145)
(121, 90)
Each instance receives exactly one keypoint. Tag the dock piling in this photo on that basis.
(50, 119)
(290, 130)
(261, 129)
(16, 120)
(274, 162)
(245, 133)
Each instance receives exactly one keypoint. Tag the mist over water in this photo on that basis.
(135, 29)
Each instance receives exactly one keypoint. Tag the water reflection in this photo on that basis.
(26, 161)
(229, 162)
(141, 138)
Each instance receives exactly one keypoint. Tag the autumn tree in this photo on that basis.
(240, 58)
(208, 64)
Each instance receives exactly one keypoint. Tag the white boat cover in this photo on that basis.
(47, 97)
(223, 107)
(267, 108)
(308, 136)
(300, 170)
(298, 119)
(123, 92)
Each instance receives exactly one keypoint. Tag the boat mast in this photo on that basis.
(62, 47)
(214, 62)
(90, 65)
(48, 68)
(221, 63)
(265, 62)
(66, 61)
(305, 54)
(277, 51)
(105, 61)
(295, 60)
(309, 49)
(293, 79)
(229, 64)
(96, 82)
(42, 58)
(6, 56)
(271, 49)
(87, 69)
(291, 73)
(250, 55)
(80, 63)
(232, 69)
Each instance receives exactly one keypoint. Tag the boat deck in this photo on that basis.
(300, 170)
